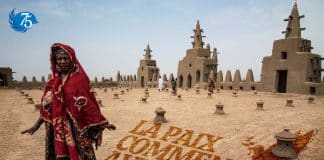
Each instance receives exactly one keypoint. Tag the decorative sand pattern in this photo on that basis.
(195, 112)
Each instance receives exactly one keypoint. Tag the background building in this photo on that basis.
(292, 67)
(195, 67)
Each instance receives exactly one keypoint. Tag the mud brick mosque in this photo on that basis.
(291, 68)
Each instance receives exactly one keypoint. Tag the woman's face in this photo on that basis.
(63, 61)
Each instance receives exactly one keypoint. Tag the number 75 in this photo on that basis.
(26, 21)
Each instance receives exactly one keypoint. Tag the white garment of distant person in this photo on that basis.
(160, 84)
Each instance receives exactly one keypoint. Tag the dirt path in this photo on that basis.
(194, 112)
(15, 116)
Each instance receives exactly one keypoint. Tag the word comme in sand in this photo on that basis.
(152, 141)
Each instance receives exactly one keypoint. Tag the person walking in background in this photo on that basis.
(174, 86)
(211, 85)
(160, 84)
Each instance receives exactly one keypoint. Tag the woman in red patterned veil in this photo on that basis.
(72, 117)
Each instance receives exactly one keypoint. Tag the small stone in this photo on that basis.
(179, 97)
(209, 95)
(284, 147)
(234, 93)
(289, 103)
(219, 109)
(30, 100)
(311, 99)
(160, 116)
(116, 96)
(144, 99)
(260, 105)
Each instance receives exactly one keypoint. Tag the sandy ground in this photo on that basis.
(193, 112)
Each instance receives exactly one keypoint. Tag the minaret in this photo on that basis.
(215, 55)
(118, 76)
(148, 52)
(198, 43)
(293, 29)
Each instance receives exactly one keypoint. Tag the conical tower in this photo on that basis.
(214, 57)
(148, 52)
(293, 29)
(197, 64)
(147, 70)
(43, 81)
(237, 81)
(237, 76)
(249, 76)
(219, 79)
(228, 76)
(249, 81)
(198, 43)
(165, 77)
(228, 83)
(118, 76)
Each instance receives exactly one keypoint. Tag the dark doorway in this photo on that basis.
(281, 81)
(180, 81)
(198, 76)
(253, 87)
(189, 79)
(142, 81)
(3, 80)
(312, 90)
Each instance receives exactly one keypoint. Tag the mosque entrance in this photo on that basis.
(189, 79)
(180, 81)
(3, 80)
(281, 82)
(142, 81)
(197, 76)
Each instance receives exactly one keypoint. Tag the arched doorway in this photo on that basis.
(142, 81)
(189, 79)
(3, 80)
(197, 76)
(180, 81)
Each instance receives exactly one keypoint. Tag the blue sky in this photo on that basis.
(111, 35)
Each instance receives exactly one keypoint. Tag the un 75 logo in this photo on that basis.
(26, 21)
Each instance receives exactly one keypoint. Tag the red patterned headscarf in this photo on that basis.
(71, 98)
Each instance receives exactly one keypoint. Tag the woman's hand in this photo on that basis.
(33, 129)
(109, 126)
(98, 136)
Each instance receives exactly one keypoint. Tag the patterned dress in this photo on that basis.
(83, 142)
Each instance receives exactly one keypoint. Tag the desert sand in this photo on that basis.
(194, 112)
